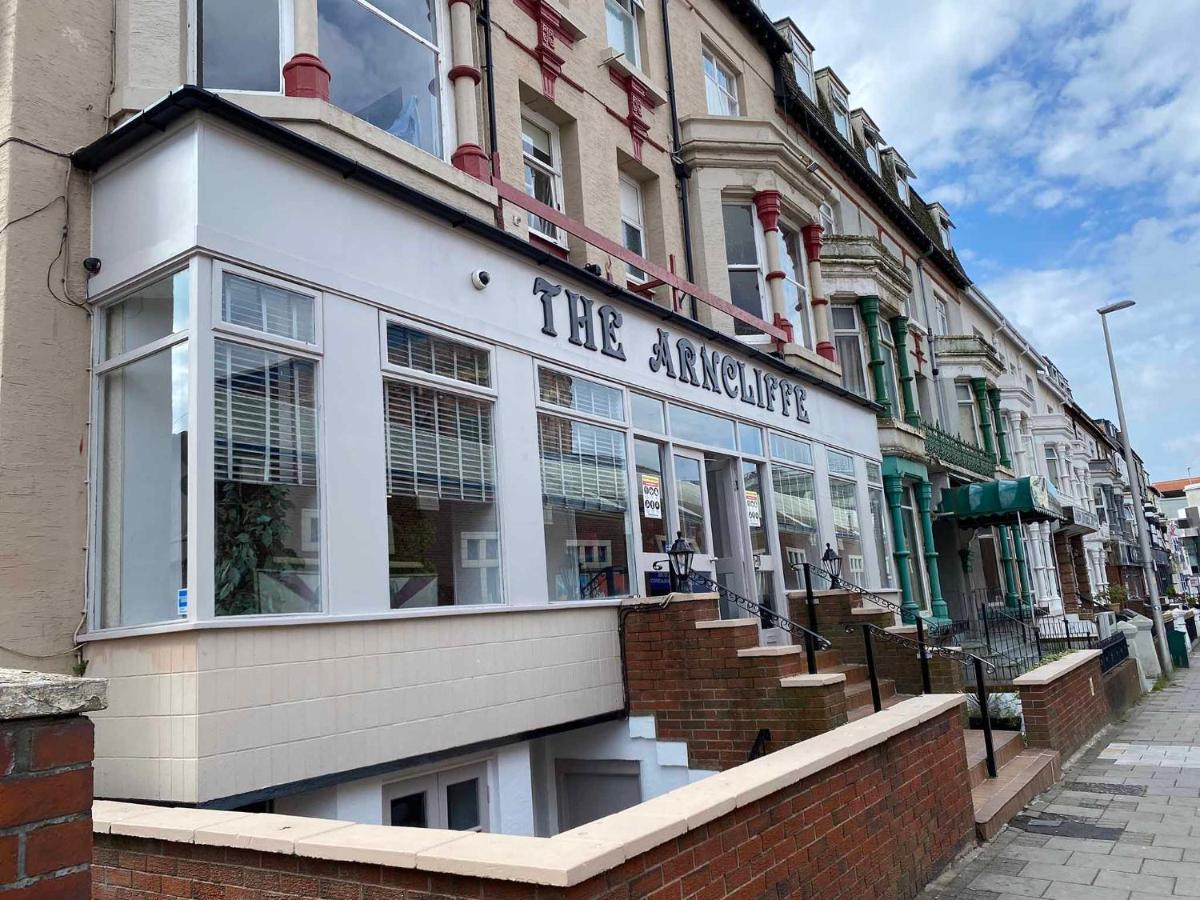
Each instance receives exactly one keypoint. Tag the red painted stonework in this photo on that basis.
(812, 240)
(550, 31)
(472, 159)
(639, 101)
(304, 75)
(767, 203)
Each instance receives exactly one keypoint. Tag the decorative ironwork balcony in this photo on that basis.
(952, 451)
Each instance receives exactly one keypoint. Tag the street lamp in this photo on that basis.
(679, 557)
(1135, 486)
(833, 564)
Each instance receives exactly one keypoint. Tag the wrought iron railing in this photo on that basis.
(808, 570)
(947, 449)
(1113, 651)
(759, 748)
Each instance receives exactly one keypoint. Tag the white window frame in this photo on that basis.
(801, 286)
(873, 157)
(863, 352)
(839, 105)
(970, 404)
(636, 14)
(287, 46)
(436, 783)
(554, 170)
(760, 254)
(827, 218)
(942, 315)
(429, 379)
(632, 272)
(902, 187)
(731, 97)
(242, 333)
(802, 68)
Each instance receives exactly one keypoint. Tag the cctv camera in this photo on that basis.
(91, 265)
(481, 278)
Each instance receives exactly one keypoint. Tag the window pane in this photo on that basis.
(462, 805)
(631, 200)
(874, 473)
(413, 349)
(882, 549)
(443, 529)
(415, 14)
(652, 504)
(752, 484)
(145, 316)
(744, 292)
(381, 74)
(790, 450)
(849, 352)
(266, 308)
(580, 394)
(540, 186)
(844, 318)
(647, 413)
(409, 811)
(689, 424)
(536, 142)
(622, 35)
(847, 528)
(241, 45)
(750, 439)
(840, 463)
(740, 248)
(795, 502)
(143, 483)
(265, 463)
(585, 501)
(690, 500)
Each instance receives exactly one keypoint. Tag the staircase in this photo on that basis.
(1020, 776)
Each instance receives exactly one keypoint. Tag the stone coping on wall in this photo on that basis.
(1052, 671)
(675, 597)
(29, 695)
(560, 861)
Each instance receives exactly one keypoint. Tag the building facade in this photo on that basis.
(394, 346)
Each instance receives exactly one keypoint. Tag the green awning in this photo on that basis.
(1001, 502)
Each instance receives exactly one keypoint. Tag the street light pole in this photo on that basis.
(1135, 487)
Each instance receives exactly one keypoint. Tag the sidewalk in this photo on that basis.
(1123, 824)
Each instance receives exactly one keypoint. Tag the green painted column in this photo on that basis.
(869, 307)
(1001, 435)
(912, 414)
(937, 605)
(1012, 596)
(1022, 568)
(979, 386)
(893, 491)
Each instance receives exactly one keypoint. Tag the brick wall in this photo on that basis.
(899, 662)
(1068, 576)
(45, 808)
(834, 612)
(1066, 711)
(879, 823)
(701, 691)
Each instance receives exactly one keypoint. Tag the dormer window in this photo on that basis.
(901, 186)
(944, 227)
(802, 67)
(873, 157)
(839, 102)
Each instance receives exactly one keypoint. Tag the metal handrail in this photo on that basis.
(837, 581)
(767, 615)
(759, 748)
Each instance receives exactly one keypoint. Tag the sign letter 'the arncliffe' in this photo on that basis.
(680, 359)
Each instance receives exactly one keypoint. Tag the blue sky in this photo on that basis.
(1064, 139)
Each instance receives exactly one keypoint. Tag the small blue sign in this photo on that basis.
(181, 598)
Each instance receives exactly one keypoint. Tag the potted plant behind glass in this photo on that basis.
(1004, 711)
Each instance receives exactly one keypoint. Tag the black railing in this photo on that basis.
(837, 582)
(812, 640)
(1113, 651)
(1060, 633)
(760, 744)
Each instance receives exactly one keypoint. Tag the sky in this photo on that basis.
(1064, 139)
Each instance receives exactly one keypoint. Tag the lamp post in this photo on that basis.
(679, 557)
(833, 565)
(1135, 487)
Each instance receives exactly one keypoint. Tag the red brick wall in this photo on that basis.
(700, 691)
(45, 808)
(1065, 713)
(881, 824)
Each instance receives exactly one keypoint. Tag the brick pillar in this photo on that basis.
(46, 784)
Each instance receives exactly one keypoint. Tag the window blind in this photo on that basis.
(413, 349)
(438, 444)
(573, 392)
(795, 500)
(583, 466)
(264, 415)
(266, 308)
(845, 508)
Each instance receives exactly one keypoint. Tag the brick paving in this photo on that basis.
(1123, 824)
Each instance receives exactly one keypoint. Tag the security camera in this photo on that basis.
(481, 278)
(91, 265)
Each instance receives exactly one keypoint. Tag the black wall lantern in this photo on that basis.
(833, 564)
(680, 559)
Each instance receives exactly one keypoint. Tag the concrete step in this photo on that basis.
(859, 712)
(855, 673)
(1007, 744)
(860, 694)
(997, 800)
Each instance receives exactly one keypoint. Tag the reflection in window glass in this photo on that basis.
(143, 489)
(382, 74)
(241, 50)
(882, 550)
(462, 805)
(647, 413)
(697, 427)
(652, 496)
(690, 499)
(840, 463)
(741, 259)
(847, 528)
(266, 308)
(874, 473)
(750, 439)
(791, 450)
(155, 311)
(752, 484)
(585, 509)
(267, 538)
(795, 499)
(410, 348)
(580, 394)
(443, 530)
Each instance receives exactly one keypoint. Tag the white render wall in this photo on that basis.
(208, 713)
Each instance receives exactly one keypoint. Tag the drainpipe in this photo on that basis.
(489, 79)
(682, 174)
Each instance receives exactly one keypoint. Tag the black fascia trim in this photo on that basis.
(800, 110)
(761, 27)
(154, 121)
(398, 765)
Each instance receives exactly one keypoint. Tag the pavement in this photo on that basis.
(1123, 824)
